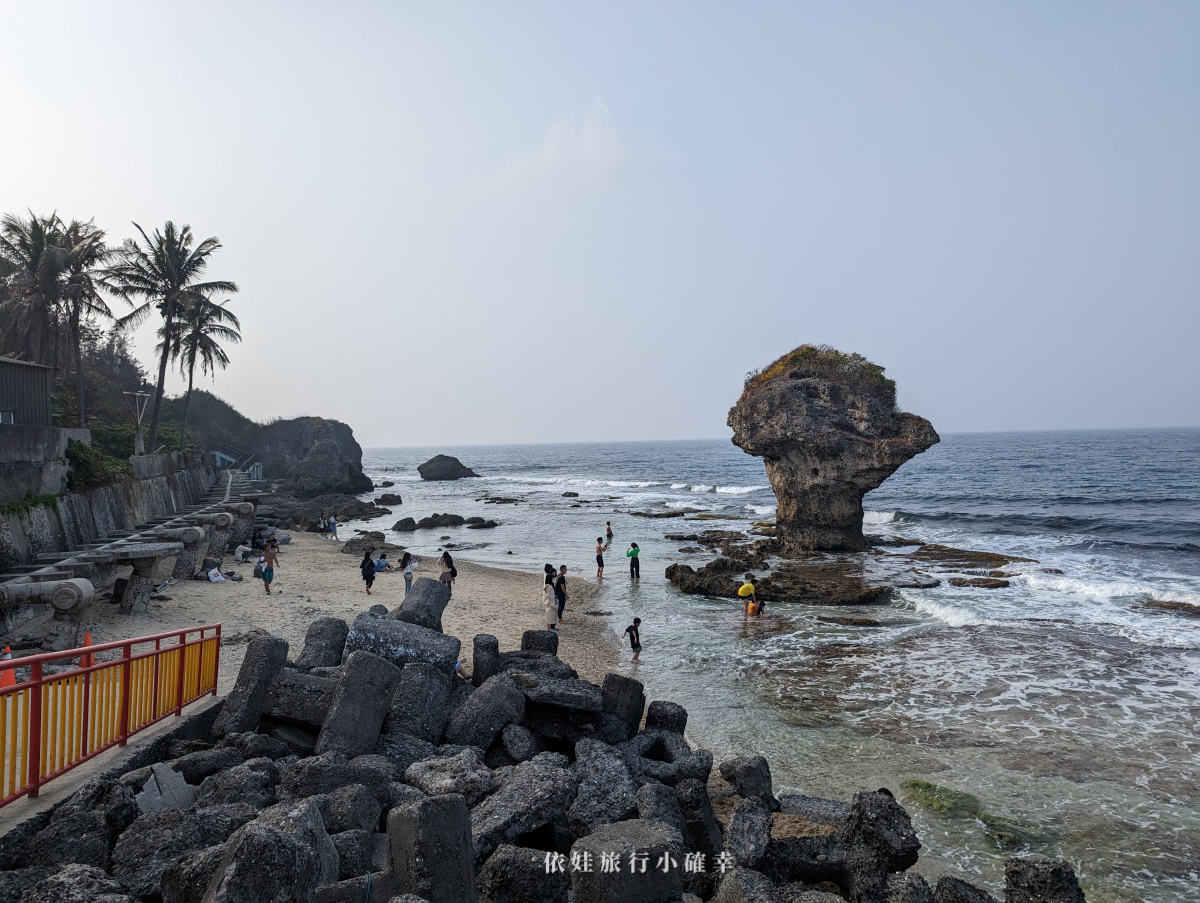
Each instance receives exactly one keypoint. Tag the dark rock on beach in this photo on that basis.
(444, 467)
(827, 426)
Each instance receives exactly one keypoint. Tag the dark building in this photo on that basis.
(24, 393)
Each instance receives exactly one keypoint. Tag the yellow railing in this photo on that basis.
(49, 723)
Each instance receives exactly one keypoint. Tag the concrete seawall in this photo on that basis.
(171, 482)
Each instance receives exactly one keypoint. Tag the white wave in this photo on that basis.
(680, 485)
(738, 490)
(1104, 589)
(878, 517)
(702, 487)
(761, 509)
(947, 614)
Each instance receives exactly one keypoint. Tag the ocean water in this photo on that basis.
(1064, 704)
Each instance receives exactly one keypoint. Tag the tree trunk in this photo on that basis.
(168, 317)
(187, 400)
(79, 406)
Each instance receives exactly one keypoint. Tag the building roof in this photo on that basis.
(13, 360)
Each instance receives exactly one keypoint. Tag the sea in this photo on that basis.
(1056, 717)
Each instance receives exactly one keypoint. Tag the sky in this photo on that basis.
(496, 222)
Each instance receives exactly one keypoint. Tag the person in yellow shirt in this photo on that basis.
(750, 603)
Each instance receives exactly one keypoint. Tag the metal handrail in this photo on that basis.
(51, 723)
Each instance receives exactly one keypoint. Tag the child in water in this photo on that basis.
(634, 632)
(750, 603)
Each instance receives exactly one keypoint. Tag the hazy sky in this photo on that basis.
(515, 222)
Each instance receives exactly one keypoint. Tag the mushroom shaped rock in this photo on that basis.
(827, 426)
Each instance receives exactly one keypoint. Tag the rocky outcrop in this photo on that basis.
(827, 426)
(313, 456)
(304, 513)
(444, 467)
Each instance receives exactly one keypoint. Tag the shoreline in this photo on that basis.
(315, 578)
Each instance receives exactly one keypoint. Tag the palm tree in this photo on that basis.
(36, 261)
(163, 273)
(201, 323)
(86, 252)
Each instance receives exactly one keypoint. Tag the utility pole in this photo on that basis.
(136, 401)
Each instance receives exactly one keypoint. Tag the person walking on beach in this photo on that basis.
(267, 562)
(549, 601)
(560, 589)
(599, 558)
(635, 566)
(749, 597)
(367, 567)
(407, 564)
(332, 523)
(634, 632)
(608, 533)
(449, 571)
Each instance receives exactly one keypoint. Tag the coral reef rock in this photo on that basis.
(313, 456)
(827, 426)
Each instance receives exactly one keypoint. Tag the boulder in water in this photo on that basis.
(444, 467)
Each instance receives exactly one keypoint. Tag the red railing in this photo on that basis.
(49, 723)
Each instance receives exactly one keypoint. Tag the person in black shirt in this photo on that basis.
(367, 567)
(560, 589)
(634, 631)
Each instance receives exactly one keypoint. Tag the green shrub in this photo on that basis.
(91, 468)
(31, 501)
(826, 362)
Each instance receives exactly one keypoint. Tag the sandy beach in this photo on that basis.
(315, 578)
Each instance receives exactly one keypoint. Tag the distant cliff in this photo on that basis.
(313, 456)
(827, 426)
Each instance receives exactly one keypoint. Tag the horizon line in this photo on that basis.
(1100, 429)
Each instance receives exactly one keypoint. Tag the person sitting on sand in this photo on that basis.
(599, 558)
(382, 564)
(367, 568)
(549, 600)
(634, 631)
(408, 563)
(242, 552)
(449, 571)
(460, 672)
(750, 603)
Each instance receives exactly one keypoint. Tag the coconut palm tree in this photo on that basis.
(163, 273)
(201, 325)
(86, 253)
(36, 261)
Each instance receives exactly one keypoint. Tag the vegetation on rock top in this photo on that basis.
(827, 363)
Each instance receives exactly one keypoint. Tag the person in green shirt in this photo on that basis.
(635, 567)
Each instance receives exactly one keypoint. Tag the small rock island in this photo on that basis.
(827, 425)
(444, 467)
